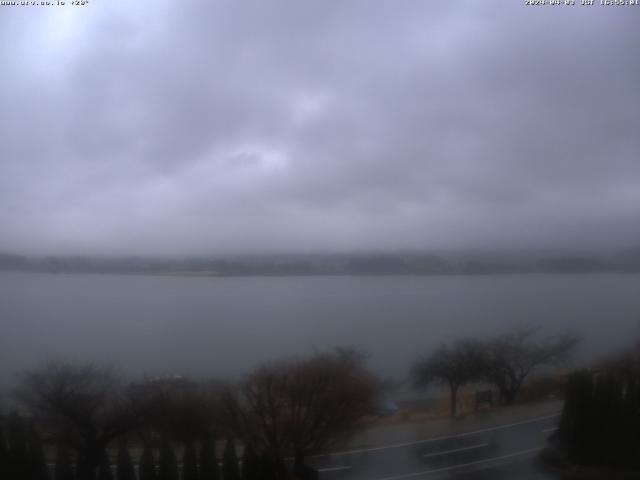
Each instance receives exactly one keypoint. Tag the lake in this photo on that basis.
(223, 326)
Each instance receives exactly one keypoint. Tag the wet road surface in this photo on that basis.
(505, 451)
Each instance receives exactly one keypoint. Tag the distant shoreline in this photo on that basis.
(358, 264)
(282, 275)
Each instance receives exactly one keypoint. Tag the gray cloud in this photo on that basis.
(206, 127)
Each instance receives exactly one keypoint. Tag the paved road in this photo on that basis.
(501, 451)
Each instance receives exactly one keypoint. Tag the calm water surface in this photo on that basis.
(224, 326)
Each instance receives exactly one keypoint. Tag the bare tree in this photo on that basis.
(454, 366)
(85, 405)
(512, 357)
(301, 407)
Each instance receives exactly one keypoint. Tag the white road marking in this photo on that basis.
(547, 430)
(437, 439)
(462, 449)
(335, 469)
(462, 465)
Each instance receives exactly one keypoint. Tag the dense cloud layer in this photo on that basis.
(286, 125)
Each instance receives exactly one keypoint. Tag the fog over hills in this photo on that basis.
(334, 264)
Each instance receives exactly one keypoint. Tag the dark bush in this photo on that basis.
(250, 464)
(167, 464)
(208, 460)
(599, 424)
(124, 466)
(4, 454)
(147, 464)
(104, 467)
(38, 469)
(189, 462)
(230, 470)
(63, 469)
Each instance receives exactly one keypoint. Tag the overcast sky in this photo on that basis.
(185, 127)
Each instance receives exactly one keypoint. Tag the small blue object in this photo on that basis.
(387, 407)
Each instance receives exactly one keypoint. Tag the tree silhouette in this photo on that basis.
(512, 357)
(455, 366)
(84, 403)
(302, 406)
